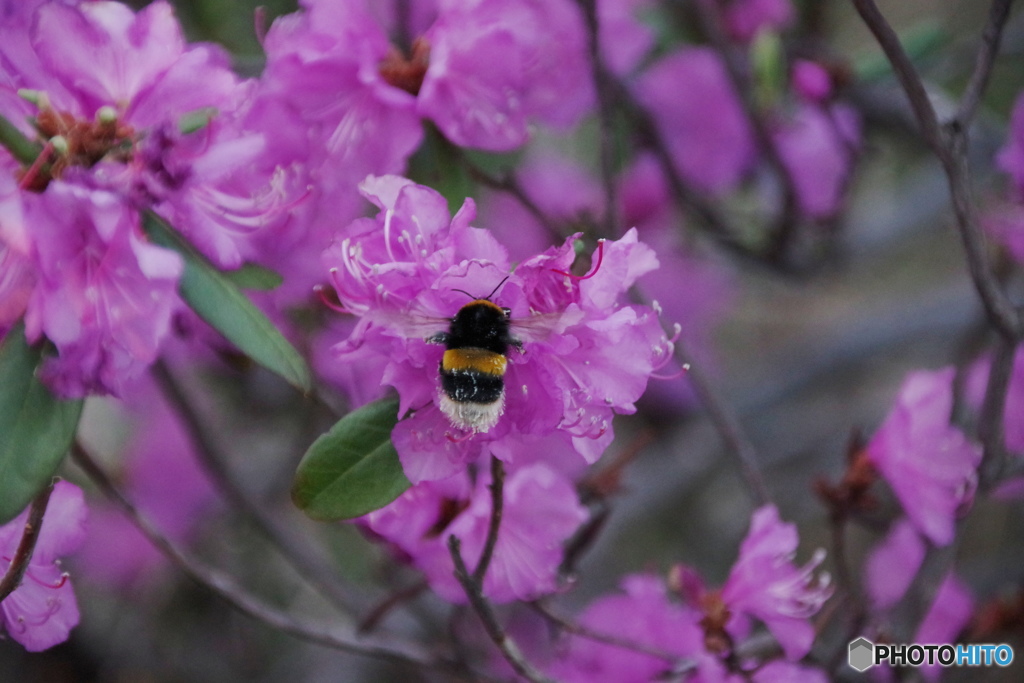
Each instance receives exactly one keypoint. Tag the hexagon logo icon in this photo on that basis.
(862, 654)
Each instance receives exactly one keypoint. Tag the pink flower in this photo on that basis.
(650, 617)
(480, 71)
(625, 39)
(764, 583)
(692, 291)
(889, 571)
(585, 357)
(564, 192)
(540, 513)
(699, 117)
(646, 615)
(41, 612)
(113, 91)
(16, 283)
(818, 145)
(930, 465)
(104, 295)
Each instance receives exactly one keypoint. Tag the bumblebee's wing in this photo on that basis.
(540, 326)
(410, 324)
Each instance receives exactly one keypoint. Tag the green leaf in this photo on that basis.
(353, 469)
(36, 428)
(253, 276)
(218, 301)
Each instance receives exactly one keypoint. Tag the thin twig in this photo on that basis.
(905, 72)
(375, 615)
(311, 567)
(226, 588)
(785, 223)
(508, 184)
(27, 545)
(728, 427)
(990, 39)
(605, 113)
(497, 487)
(598, 636)
(711, 219)
(993, 410)
(950, 145)
(509, 650)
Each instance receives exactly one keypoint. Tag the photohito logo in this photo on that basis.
(863, 654)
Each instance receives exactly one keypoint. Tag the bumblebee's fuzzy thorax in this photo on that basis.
(474, 363)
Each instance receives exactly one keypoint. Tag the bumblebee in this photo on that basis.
(474, 362)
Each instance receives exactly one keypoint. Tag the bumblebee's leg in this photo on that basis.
(439, 338)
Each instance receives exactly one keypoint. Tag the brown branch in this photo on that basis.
(990, 38)
(950, 145)
(605, 113)
(785, 223)
(375, 615)
(508, 184)
(993, 410)
(227, 589)
(905, 72)
(679, 664)
(497, 487)
(312, 568)
(509, 650)
(27, 545)
(728, 426)
(712, 220)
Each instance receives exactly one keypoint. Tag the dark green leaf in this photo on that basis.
(36, 428)
(218, 301)
(253, 276)
(353, 469)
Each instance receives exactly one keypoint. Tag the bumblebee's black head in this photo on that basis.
(481, 324)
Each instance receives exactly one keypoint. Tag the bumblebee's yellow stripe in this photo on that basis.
(484, 302)
(480, 360)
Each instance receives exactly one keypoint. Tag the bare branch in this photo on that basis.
(728, 426)
(605, 113)
(993, 410)
(679, 664)
(298, 554)
(27, 545)
(990, 39)
(327, 635)
(785, 223)
(509, 650)
(905, 72)
(950, 145)
(497, 507)
(508, 184)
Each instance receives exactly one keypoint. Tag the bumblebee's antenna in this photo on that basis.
(494, 291)
(486, 298)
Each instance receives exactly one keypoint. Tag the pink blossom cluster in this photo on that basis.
(691, 624)
(585, 357)
(706, 127)
(129, 118)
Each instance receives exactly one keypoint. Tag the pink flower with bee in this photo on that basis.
(565, 349)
